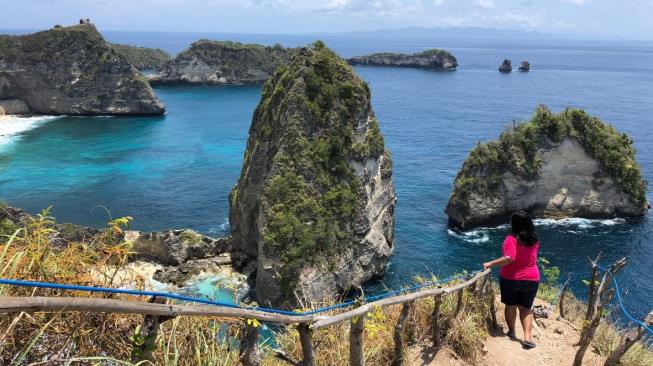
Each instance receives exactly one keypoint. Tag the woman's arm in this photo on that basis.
(499, 262)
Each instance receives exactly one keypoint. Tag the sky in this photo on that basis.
(627, 19)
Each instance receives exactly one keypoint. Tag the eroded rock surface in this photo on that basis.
(431, 59)
(565, 165)
(73, 71)
(314, 205)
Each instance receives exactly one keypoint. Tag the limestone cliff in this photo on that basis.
(142, 58)
(556, 165)
(430, 59)
(213, 62)
(72, 70)
(314, 205)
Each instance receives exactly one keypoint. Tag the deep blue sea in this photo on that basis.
(176, 171)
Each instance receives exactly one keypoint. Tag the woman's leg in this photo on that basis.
(526, 317)
(510, 313)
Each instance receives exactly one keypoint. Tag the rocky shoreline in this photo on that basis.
(434, 59)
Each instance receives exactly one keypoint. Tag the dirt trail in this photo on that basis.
(555, 347)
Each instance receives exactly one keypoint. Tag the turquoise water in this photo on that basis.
(176, 171)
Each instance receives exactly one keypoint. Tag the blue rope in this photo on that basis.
(58, 286)
(623, 307)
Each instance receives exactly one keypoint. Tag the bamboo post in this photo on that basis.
(306, 340)
(628, 341)
(144, 341)
(601, 299)
(591, 299)
(437, 341)
(459, 302)
(398, 335)
(249, 352)
(561, 301)
(356, 329)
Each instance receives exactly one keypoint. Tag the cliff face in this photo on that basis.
(431, 59)
(72, 71)
(142, 58)
(214, 62)
(565, 165)
(314, 205)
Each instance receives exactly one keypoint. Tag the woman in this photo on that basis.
(519, 275)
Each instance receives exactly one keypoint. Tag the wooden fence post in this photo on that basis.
(356, 329)
(249, 352)
(601, 300)
(437, 341)
(144, 341)
(459, 302)
(561, 305)
(591, 298)
(628, 341)
(398, 335)
(308, 350)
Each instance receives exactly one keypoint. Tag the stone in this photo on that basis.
(175, 247)
(506, 66)
(209, 62)
(314, 204)
(72, 71)
(435, 59)
(524, 66)
(13, 106)
(553, 166)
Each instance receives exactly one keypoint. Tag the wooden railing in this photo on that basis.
(155, 313)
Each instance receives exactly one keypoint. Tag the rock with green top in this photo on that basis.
(314, 205)
(143, 58)
(209, 62)
(435, 59)
(561, 165)
(73, 71)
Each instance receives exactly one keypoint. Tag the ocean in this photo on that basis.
(176, 171)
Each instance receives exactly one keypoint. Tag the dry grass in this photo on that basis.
(107, 338)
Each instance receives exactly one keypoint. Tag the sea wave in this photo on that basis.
(573, 225)
(12, 127)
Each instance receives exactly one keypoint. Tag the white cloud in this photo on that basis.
(485, 4)
(576, 2)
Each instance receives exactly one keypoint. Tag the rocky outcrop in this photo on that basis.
(314, 205)
(73, 71)
(564, 165)
(142, 58)
(525, 66)
(431, 59)
(209, 62)
(506, 66)
(13, 106)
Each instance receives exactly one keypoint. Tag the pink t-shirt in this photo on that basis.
(524, 260)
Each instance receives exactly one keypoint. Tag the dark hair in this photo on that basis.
(523, 229)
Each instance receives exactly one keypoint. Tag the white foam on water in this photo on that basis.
(579, 222)
(473, 236)
(12, 127)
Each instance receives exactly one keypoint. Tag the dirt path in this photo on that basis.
(554, 338)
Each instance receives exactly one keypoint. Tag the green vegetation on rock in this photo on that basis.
(142, 57)
(312, 108)
(516, 151)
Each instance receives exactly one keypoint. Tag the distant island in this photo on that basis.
(435, 59)
(142, 58)
(72, 71)
(555, 165)
(209, 62)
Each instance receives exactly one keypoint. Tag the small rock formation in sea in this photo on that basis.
(506, 66)
(525, 66)
(142, 58)
(314, 205)
(73, 71)
(213, 62)
(431, 59)
(555, 165)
